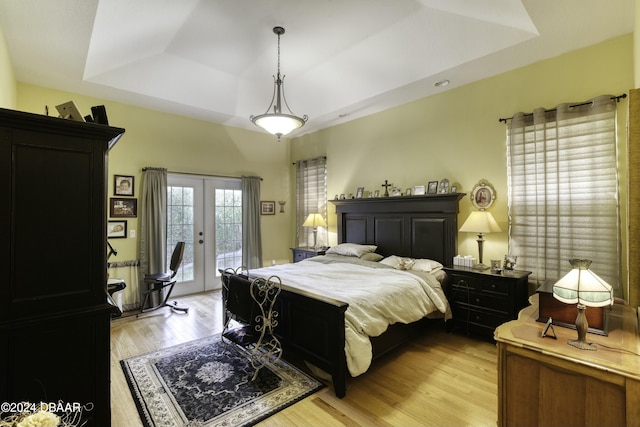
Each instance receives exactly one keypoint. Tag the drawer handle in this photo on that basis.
(477, 299)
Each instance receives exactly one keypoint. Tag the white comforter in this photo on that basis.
(377, 298)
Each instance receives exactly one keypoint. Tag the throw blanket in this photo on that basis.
(377, 298)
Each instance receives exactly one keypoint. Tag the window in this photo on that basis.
(180, 228)
(563, 190)
(311, 197)
(228, 229)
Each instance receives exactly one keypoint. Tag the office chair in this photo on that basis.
(156, 283)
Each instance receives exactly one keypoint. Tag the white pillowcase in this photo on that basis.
(399, 263)
(351, 249)
(405, 263)
(371, 256)
(427, 265)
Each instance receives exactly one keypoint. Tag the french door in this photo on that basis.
(205, 213)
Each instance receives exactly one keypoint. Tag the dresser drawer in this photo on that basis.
(299, 256)
(480, 317)
(459, 282)
(496, 286)
(485, 301)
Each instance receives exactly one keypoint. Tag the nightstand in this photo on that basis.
(303, 253)
(481, 300)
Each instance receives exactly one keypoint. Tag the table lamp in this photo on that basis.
(314, 220)
(480, 222)
(583, 287)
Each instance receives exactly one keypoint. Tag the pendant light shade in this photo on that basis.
(274, 120)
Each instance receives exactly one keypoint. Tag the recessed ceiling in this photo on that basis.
(214, 59)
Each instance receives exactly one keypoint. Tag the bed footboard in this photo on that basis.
(310, 325)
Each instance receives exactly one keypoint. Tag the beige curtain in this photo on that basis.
(633, 236)
(311, 197)
(563, 189)
(251, 231)
(153, 224)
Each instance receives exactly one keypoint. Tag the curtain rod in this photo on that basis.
(617, 98)
(306, 160)
(196, 174)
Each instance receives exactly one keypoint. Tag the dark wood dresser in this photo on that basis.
(54, 315)
(481, 300)
(303, 253)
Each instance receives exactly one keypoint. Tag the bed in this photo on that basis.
(317, 327)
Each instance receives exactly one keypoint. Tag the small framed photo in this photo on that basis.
(396, 192)
(360, 193)
(122, 185)
(418, 190)
(444, 186)
(483, 195)
(510, 262)
(376, 193)
(433, 187)
(123, 208)
(117, 230)
(454, 189)
(407, 192)
(267, 208)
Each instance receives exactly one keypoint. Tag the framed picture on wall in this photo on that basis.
(267, 208)
(122, 185)
(117, 229)
(123, 208)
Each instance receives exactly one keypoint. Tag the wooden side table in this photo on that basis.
(545, 381)
(303, 253)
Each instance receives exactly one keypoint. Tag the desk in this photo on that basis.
(546, 382)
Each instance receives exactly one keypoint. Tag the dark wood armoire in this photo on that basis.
(54, 315)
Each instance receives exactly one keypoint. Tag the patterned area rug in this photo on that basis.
(208, 383)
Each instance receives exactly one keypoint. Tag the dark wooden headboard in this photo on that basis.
(412, 226)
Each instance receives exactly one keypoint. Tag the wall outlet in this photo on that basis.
(132, 234)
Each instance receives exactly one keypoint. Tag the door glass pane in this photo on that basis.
(180, 228)
(228, 229)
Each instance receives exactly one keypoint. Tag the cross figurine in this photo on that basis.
(386, 186)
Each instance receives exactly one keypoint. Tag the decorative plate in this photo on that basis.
(483, 195)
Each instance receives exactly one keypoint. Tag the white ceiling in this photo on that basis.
(214, 59)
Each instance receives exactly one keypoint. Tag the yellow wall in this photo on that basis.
(454, 135)
(185, 145)
(457, 135)
(7, 79)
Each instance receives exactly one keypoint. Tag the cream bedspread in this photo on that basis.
(377, 298)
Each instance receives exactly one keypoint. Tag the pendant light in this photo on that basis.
(274, 120)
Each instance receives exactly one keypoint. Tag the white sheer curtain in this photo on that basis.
(563, 189)
(311, 197)
(251, 230)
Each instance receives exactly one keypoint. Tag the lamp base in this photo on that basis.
(582, 345)
(480, 267)
(582, 326)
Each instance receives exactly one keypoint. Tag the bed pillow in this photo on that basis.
(399, 263)
(427, 265)
(351, 249)
(371, 256)
(405, 263)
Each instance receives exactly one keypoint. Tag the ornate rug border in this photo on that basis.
(173, 413)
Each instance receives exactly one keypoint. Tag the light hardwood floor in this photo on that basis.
(440, 379)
